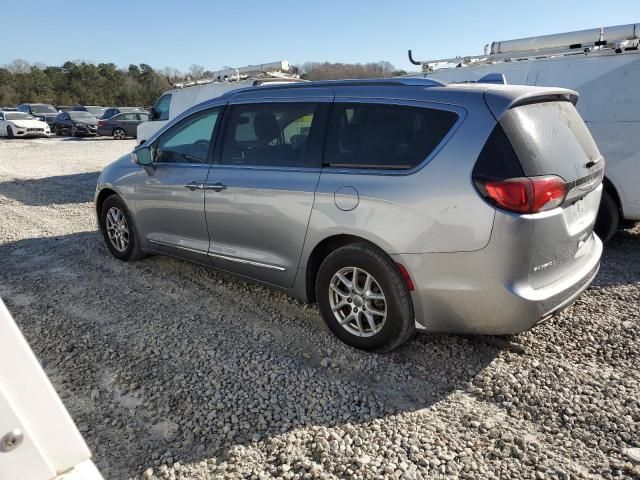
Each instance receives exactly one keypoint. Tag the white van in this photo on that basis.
(173, 102)
(603, 65)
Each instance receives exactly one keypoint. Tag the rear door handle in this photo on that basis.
(194, 186)
(216, 187)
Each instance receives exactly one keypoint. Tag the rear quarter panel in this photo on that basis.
(433, 209)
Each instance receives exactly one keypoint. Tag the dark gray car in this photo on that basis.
(111, 111)
(122, 125)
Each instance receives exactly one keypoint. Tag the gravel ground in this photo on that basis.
(173, 371)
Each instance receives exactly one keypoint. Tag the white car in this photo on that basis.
(19, 124)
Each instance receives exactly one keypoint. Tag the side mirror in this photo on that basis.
(153, 115)
(142, 156)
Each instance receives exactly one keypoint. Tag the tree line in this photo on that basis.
(85, 83)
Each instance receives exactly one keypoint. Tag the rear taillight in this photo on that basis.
(524, 194)
(100, 123)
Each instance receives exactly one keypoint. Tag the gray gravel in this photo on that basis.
(173, 371)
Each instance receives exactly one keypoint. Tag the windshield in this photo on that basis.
(81, 116)
(17, 116)
(43, 109)
(96, 111)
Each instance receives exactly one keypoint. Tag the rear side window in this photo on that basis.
(272, 134)
(497, 159)
(383, 136)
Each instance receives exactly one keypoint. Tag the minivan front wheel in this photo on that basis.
(363, 298)
(118, 230)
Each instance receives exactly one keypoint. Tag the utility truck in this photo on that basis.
(603, 65)
(187, 94)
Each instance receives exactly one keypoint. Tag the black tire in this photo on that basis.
(608, 217)
(9, 132)
(132, 250)
(400, 319)
(73, 131)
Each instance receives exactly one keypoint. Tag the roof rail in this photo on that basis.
(618, 38)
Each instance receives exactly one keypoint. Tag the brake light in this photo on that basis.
(525, 194)
(100, 123)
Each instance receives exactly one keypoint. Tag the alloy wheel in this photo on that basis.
(357, 301)
(117, 229)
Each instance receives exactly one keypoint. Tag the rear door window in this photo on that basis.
(272, 134)
(381, 136)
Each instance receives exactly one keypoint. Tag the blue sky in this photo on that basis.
(235, 33)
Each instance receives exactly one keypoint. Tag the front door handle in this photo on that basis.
(193, 185)
(216, 187)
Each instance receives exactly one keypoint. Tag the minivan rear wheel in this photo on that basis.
(363, 298)
(608, 217)
(118, 230)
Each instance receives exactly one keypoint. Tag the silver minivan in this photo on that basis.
(395, 204)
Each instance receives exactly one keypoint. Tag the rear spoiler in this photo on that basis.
(500, 99)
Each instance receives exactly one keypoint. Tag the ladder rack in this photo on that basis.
(276, 70)
(604, 40)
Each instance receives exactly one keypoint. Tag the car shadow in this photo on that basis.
(620, 259)
(74, 188)
(162, 360)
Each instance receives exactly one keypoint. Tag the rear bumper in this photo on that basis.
(466, 293)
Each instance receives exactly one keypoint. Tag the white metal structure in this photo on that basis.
(187, 94)
(603, 65)
(38, 439)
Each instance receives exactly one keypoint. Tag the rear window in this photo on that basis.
(550, 138)
(384, 136)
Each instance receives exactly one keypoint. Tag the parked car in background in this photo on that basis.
(9, 109)
(64, 108)
(75, 124)
(122, 125)
(94, 110)
(356, 194)
(20, 124)
(43, 111)
(110, 112)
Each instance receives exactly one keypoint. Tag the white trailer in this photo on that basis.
(187, 94)
(603, 65)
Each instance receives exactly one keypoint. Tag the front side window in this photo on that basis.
(384, 136)
(161, 108)
(269, 134)
(189, 140)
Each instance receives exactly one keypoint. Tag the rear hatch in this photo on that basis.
(542, 164)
